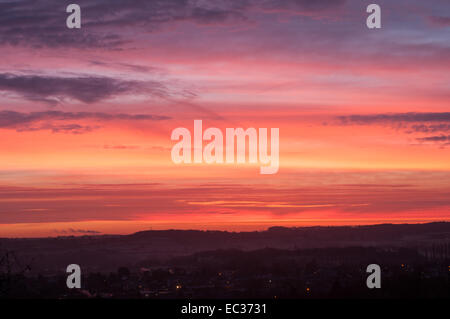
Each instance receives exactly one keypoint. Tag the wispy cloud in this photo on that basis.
(440, 21)
(63, 128)
(51, 120)
(389, 118)
(133, 201)
(430, 128)
(42, 23)
(77, 231)
(303, 6)
(440, 138)
(86, 89)
(126, 66)
(430, 122)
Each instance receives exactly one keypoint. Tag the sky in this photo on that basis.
(86, 114)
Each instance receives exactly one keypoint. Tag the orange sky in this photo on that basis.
(86, 118)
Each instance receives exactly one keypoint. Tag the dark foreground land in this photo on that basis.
(311, 262)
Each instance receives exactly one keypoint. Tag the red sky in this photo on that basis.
(86, 115)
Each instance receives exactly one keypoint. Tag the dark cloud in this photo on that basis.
(86, 89)
(106, 23)
(77, 231)
(51, 120)
(440, 138)
(127, 66)
(151, 14)
(304, 6)
(440, 21)
(411, 123)
(429, 128)
(208, 16)
(64, 128)
(390, 118)
(43, 23)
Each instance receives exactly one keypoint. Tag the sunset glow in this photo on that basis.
(85, 123)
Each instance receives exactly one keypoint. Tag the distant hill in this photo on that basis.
(103, 252)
